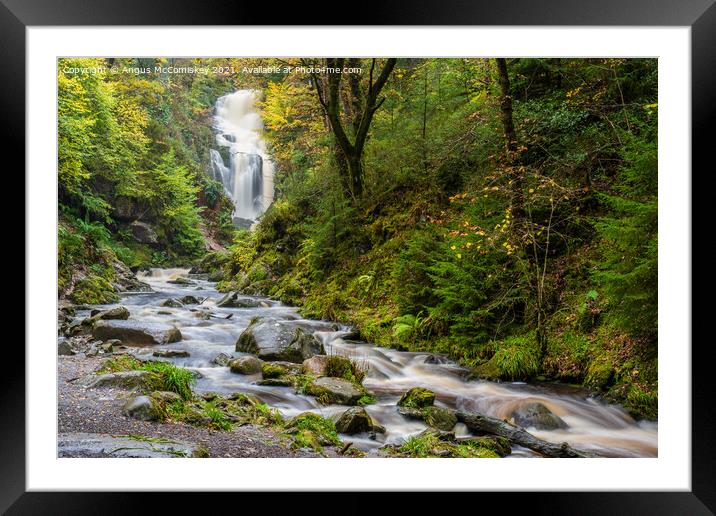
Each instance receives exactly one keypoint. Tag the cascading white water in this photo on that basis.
(248, 178)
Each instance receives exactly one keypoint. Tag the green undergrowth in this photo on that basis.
(432, 444)
(164, 375)
(309, 430)
(223, 413)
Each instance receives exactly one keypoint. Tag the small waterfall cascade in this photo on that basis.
(240, 162)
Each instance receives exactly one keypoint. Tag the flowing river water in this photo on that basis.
(606, 430)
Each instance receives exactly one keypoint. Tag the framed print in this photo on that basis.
(431, 250)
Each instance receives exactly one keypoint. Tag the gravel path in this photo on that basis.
(99, 411)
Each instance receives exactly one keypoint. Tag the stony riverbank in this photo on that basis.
(99, 412)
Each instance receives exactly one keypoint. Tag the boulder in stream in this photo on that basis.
(236, 300)
(316, 365)
(181, 281)
(171, 303)
(355, 420)
(190, 300)
(133, 333)
(245, 365)
(119, 313)
(417, 397)
(273, 340)
(336, 391)
(222, 359)
(536, 415)
(170, 353)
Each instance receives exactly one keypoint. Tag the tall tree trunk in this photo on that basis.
(364, 105)
(510, 135)
(508, 125)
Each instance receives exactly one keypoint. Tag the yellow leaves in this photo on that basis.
(459, 256)
(453, 247)
(531, 190)
(572, 93)
(458, 197)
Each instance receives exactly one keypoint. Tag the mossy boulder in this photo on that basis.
(309, 430)
(536, 415)
(355, 420)
(434, 443)
(189, 300)
(245, 365)
(417, 397)
(269, 370)
(486, 371)
(273, 340)
(499, 445)
(329, 391)
(133, 333)
(172, 303)
(277, 382)
(121, 380)
(600, 375)
(165, 396)
(439, 418)
(143, 408)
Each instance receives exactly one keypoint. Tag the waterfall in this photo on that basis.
(241, 162)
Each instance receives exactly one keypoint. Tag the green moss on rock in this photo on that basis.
(417, 397)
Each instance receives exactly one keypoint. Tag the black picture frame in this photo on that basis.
(699, 15)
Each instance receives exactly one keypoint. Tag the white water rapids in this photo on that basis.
(606, 430)
(245, 168)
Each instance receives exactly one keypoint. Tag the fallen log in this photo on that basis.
(490, 425)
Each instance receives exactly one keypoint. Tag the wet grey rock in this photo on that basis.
(181, 281)
(222, 359)
(536, 415)
(335, 391)
(272, 340)
(236, 300)
(126, 281)
(143, 233)
(64, 348)
(170, 353)
(189, 300)
(142, 408)
(133, 333)
(107, 446)
(246, 365)
(171, 303)
(436, 359)
(99, 348)
(119, 380)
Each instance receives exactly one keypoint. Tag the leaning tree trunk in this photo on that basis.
(491, 425)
